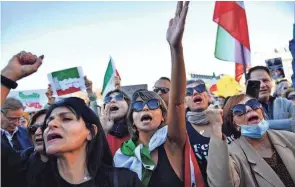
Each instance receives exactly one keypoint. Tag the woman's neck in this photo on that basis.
(260, 144)
(145, 137)
(72, 167)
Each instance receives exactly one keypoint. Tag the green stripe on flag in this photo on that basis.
(108, 75)
(224, 46)
(66, 74)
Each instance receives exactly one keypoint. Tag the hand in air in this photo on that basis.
(215, 118)
(176, 25)
(106, 121)
(21, 65)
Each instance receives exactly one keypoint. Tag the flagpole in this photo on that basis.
(244, 62)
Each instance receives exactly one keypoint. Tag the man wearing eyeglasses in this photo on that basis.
(162, 87)
(11, 133)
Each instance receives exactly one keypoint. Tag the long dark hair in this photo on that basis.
(145, 95)
(98, 154)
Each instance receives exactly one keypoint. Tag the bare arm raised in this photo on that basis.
(176, 109)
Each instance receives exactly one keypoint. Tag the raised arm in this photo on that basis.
(21, 65)
(176, 109)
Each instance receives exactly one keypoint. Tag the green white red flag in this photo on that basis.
(109, 81)
(232, 40)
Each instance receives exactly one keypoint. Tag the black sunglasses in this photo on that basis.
(33, 128)
(291, 97)
(118, 97)
(163, 90)
(153, 104)
(200, 89)
(240, 109)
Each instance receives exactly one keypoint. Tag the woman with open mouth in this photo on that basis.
(159, 150)
(259, 157)
(114, 118)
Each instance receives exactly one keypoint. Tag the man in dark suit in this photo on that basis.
(11, 133)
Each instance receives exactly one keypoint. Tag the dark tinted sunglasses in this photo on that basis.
(33, 128)
(163, 90)
(153, 104)
(291, 97)
(118, 97)
(200, 89)
(240, 109)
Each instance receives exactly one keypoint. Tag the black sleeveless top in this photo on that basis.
(164, 174)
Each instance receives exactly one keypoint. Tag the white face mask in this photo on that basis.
(255, 131)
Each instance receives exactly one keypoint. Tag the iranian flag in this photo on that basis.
(109, 81)
(213, 87)
(67, 81)
(232, 40)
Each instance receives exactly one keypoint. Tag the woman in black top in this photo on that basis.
(160, 148)
(74, 141)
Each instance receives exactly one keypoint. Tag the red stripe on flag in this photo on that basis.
(232, 17)
(67, 91)
(117, 74)
(213, 88)
(239, 70)
(188, 153)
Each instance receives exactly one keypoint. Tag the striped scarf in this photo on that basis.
(138, 159)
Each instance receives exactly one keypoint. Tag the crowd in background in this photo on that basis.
(172, 135)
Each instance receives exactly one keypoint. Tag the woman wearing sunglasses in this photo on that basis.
(160, 154)
(114, 118)
(259, 157)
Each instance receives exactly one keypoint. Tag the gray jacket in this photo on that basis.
(283, 115)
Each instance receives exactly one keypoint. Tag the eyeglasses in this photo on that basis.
(153, 104)
(33, 128)
(200, 89)
(240, 109)
(11, 119)
(291, 97)
(163, 90)
(118, 97)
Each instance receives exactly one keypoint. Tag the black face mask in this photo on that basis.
(119, 129)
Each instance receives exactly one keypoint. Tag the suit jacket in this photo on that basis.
(241, 166)
(22, 138)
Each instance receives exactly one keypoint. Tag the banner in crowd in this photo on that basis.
(67, 81)
(275, 66)
(33, 100)
(228, 86)
(129, 90)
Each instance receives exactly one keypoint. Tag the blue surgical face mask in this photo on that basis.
(255, 131)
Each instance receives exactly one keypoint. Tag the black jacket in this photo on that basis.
(25, 169)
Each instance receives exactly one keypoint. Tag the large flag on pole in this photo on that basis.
(232, 40)
(110, 76)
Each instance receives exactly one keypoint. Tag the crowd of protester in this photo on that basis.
(170, 136)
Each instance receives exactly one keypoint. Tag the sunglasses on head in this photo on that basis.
(33, 128)
(291, 97)
(153, 104)
(200, 89)
(118, 97)
(163, 90)
(240, 109)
